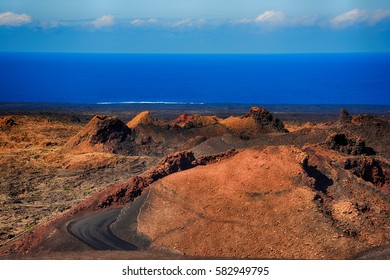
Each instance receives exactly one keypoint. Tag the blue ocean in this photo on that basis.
(246, 79)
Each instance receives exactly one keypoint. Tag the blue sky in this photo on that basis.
(188, 26)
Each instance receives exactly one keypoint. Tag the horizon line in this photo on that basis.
(194, 53)
(188, 103)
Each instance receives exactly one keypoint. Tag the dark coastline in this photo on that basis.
(288, 112)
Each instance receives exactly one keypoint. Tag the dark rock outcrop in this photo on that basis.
(348, 145)
(344, 116)
(374, 130)
(368, 169)
(257, 121)
(102, 134)
(265, 118)
(178, 161)
(367, 120)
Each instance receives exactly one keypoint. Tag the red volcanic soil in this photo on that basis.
(270, 203)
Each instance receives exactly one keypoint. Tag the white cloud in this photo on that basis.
(104, 21)
(267, 18)
(271, 17)
(140, 21)
(349, 18)
(187, 22)
(170, 23)
(12, 19)
(279, 19)
(356, 17)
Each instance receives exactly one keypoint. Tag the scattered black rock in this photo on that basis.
(7, 122)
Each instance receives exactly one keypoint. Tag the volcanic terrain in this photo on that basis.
(196, 186)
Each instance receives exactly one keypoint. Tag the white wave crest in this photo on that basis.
(151, 102)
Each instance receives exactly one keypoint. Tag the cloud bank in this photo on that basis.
(12, 19)
(266, 21)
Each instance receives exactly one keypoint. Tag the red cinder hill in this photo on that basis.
(102, 134)
(279, 202)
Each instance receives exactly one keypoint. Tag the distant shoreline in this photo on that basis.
(165, 110)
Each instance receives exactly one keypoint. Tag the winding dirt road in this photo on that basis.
(95, 231)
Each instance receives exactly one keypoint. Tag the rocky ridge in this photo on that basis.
(146, 135)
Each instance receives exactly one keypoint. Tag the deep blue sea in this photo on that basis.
(254, 79)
